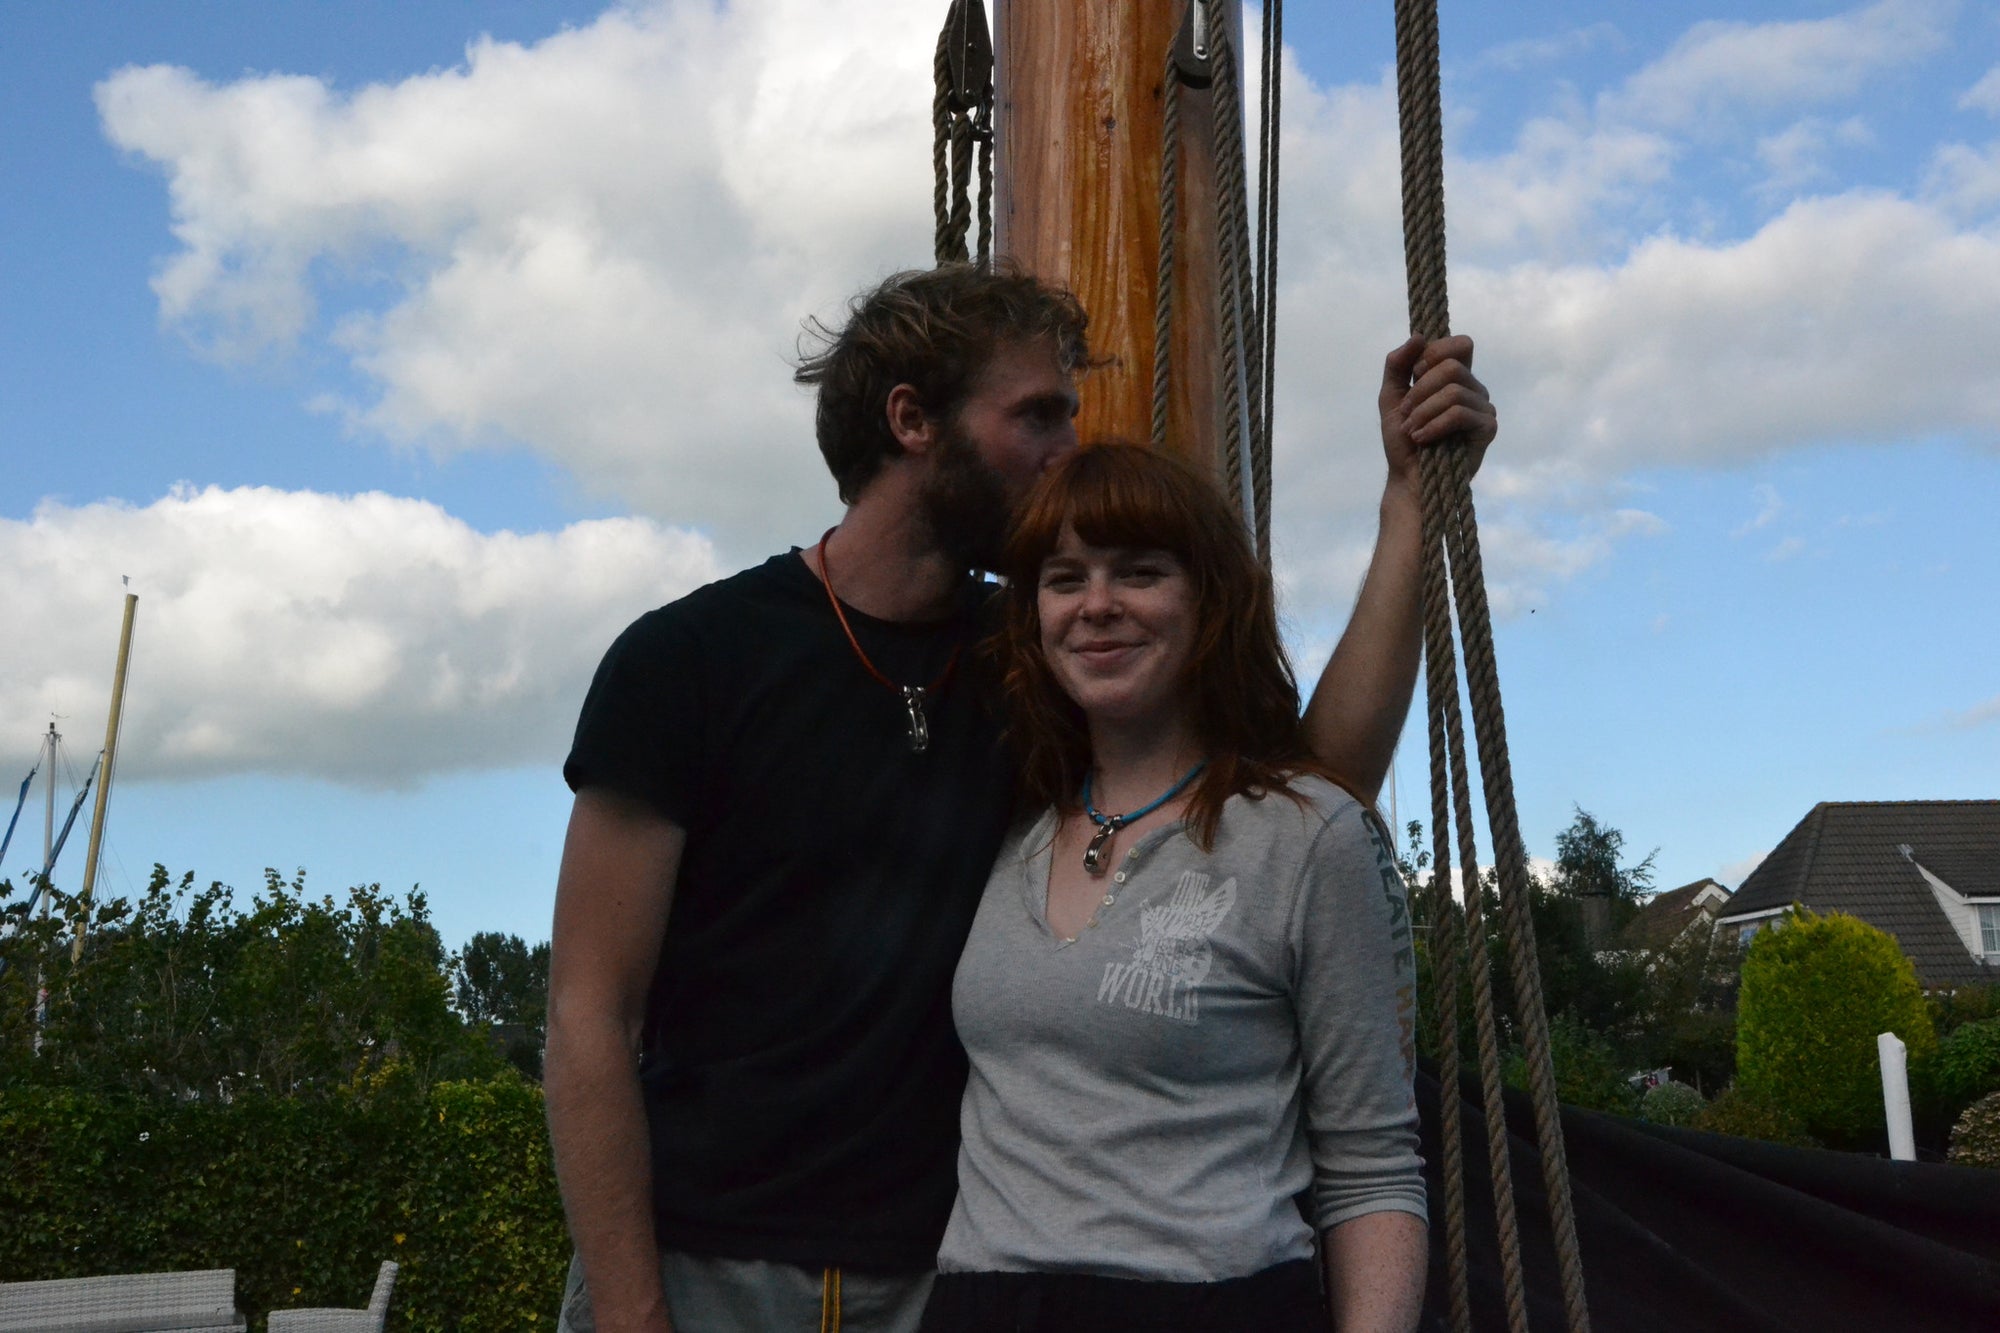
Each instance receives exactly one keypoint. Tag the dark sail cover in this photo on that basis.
(1682, 1230)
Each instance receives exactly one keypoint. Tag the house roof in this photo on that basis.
(1846, 856)
(1663, 917)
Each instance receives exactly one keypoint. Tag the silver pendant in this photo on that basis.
(920, 727)
(1093, 855)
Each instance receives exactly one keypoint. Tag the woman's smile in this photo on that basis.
(1117, 628)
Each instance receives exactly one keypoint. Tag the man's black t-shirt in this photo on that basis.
(800, 1072)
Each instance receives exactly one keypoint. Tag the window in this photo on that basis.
(1989, 931)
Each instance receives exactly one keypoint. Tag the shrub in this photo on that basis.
(1963, 1004)
(1815, 994)
(1671, 1104)
(303, 1197)
(1967, 1064)
(1588, 1071)
(1975, 1139)
(1748, 1116)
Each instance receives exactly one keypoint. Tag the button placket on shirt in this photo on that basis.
(1117, 877)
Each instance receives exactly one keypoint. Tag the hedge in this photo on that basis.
(303, 1198)
(1815, 994)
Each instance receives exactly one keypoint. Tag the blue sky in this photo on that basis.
(401, 354)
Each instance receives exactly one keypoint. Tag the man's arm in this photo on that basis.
(1375, 1272)
(1356, 715)
(619, 865)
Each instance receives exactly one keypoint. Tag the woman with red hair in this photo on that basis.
(1188, 997)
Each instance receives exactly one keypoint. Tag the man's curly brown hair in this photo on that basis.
(934, 330)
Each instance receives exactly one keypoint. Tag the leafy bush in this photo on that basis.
(1963, 1004)
(1975, 1139)
(1748, 1116)
(303, 1197)
(1588, 1072)
(1814, 996)
(1967, 1064)
(1671, 1103)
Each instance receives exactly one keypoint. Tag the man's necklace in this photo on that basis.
(913, 696)
(1108, 825)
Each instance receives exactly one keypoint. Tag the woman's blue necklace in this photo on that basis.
(1107, 825)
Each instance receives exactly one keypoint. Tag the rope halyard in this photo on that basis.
(1244, 282)
(941, 145)
(1231, 224)
(1171, 90)
(1270, 81)
(1453, 572)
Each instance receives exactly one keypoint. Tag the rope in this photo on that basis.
(1441, 673)
(1451, 554)
(986, 199)
(1438, 651)
(1269, 87)
(1163, 308)
(1244, 284)
(940, 144)
(1232, 235)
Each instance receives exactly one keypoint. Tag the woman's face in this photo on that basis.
(1118, 628)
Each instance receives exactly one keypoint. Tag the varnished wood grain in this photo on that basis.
(1077, 200)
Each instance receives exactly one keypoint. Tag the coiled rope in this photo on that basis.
(1453, 573)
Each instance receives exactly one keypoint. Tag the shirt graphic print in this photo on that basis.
(1172, 955)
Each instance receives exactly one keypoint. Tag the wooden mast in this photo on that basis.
(1080, 90)
(104, 781)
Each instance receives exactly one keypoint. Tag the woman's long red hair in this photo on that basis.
(1243, 698)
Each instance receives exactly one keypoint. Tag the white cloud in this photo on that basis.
(1786, 550)
(1769, 505)
(1985, 94)
(1965, 179)
(1796, 157)
(1736, 872)
(1528, 53)
(601, 244)
(365, 638)
(1829, 321)
(1722, 67)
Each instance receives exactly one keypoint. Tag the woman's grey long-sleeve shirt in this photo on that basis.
(1232, 1041)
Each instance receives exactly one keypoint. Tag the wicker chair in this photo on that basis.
(342, 1321)
(201, 1302)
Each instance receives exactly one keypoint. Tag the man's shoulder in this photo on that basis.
(775, 582)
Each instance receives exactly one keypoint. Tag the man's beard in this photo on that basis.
(965, 504)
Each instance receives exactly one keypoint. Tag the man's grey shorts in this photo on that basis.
(754, 1296)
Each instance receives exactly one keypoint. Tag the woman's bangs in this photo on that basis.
(1117, 504)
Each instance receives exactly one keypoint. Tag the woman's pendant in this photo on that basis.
(1093, 855)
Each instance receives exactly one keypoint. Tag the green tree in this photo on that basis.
(501, 979)
(182, 994)
(501, 985)
(1815, 994)
(1589, 871)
